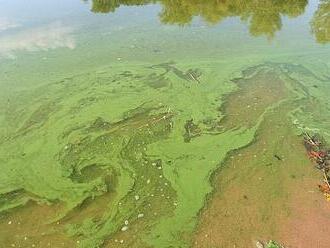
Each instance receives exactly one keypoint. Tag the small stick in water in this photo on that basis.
(326, 178)
(194, 78)
(278, 157)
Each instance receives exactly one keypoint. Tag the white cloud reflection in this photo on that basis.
(52, 36)
(6, 24)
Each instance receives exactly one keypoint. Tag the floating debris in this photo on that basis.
(124, 228)
(140, 216)
(273, 244)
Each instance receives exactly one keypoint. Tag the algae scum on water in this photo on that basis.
(123, 156)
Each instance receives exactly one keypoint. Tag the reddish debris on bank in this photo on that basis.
(320, 153)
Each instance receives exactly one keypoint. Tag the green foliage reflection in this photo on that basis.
(321, 22)
(106, 6)
(263, 17)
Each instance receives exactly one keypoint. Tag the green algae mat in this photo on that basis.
(123, 134)
(118, 145)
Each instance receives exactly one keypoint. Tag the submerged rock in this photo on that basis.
(191, 130)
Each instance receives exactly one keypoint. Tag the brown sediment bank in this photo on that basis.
(31, 227)
(266, 190)
(255, 94)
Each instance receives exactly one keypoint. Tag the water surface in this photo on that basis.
(161, 123)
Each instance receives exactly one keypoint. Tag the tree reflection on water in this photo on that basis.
(321, 22)
(262, 17)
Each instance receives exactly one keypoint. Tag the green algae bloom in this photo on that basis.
(119, 143)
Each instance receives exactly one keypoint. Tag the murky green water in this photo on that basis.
(113, 113)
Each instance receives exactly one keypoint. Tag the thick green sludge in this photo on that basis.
(123, 131)
(83, 136)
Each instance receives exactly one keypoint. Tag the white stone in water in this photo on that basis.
(124, 228)
(161, 176)
(153, 163)
(159, 168)
(165, 184)
(121, 241)
(140, 215)
(9, 222)
(259, 245)
(148, 181)
(137, 197)
(126, 222)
